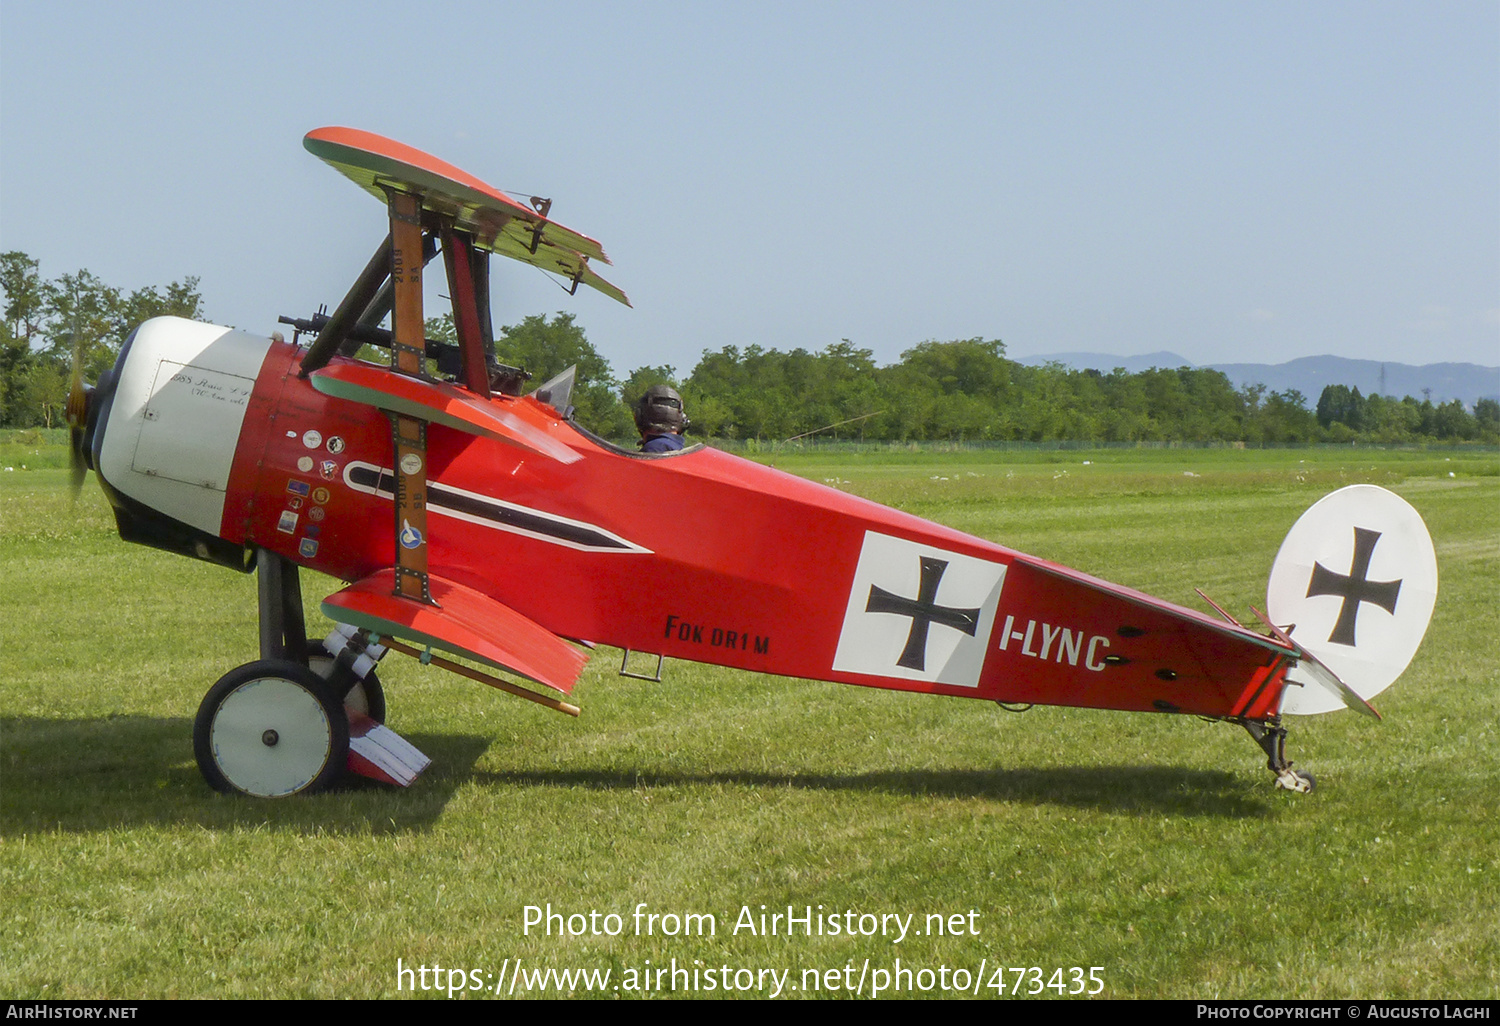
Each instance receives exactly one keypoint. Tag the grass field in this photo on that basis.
(1152, 847)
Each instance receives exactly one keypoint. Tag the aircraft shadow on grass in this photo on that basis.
(88, 774)
(104, 772)
(1156, 789)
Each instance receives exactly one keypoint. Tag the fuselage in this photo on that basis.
(213, 435)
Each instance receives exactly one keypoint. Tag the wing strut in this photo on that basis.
(409, 434)
(380, 307)
(458, 254)
(359, 297)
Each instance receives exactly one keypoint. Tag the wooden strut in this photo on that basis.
(409, 442)
(480, 676)
(409, 434)
(458, 252)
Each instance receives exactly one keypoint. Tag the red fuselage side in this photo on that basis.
(704, 556)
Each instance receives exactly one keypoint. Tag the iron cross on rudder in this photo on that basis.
(1355, 587)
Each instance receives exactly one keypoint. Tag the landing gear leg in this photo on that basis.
(1271, 736)
(283, 635)
(283, 629)
(351, 673)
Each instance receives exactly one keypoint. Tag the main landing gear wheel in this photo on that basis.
(366, 697)
(270, 729)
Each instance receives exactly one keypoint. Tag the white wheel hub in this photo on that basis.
(271, 737)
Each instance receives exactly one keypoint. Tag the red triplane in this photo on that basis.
(475, 520)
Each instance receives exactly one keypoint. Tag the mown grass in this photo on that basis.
(1154, 847)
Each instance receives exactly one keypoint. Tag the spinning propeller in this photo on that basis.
(79, 397)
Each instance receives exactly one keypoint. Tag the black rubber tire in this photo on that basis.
(271, 729)
(371, 696)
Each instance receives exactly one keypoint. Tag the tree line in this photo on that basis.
(967, 390)
(47, 319)
(960, 390)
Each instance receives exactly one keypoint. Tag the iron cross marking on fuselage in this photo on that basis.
(923, 611)
(1355, 587)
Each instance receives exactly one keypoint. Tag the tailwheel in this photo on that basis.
(270, 729)
(1271, 736)
(1296, 780)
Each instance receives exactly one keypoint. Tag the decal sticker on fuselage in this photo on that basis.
(487, 511)
(918, 612)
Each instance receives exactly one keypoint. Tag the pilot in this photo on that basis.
(660, 419)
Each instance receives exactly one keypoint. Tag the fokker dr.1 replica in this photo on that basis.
(471, 519)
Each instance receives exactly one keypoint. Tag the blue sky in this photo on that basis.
(1232, 182)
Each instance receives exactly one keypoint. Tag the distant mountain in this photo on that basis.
(1468, 382)
(1309, 375)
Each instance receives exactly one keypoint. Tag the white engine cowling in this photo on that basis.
(179, 400)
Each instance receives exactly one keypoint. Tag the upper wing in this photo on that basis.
(497, 222)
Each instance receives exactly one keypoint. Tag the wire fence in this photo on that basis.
(752, 446)
(48, 437)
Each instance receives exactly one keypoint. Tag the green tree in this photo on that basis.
(1286, 417)
(1455, 423)
(1388, 420)
(975, 367)
(441, 329)
(546, 348)
(15, 362)
(23, 294)
(1339, 404)
(23, 314)
(47, 320)
(179, 299)
(1487, 418)
(42, 393)
(1126, 418)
